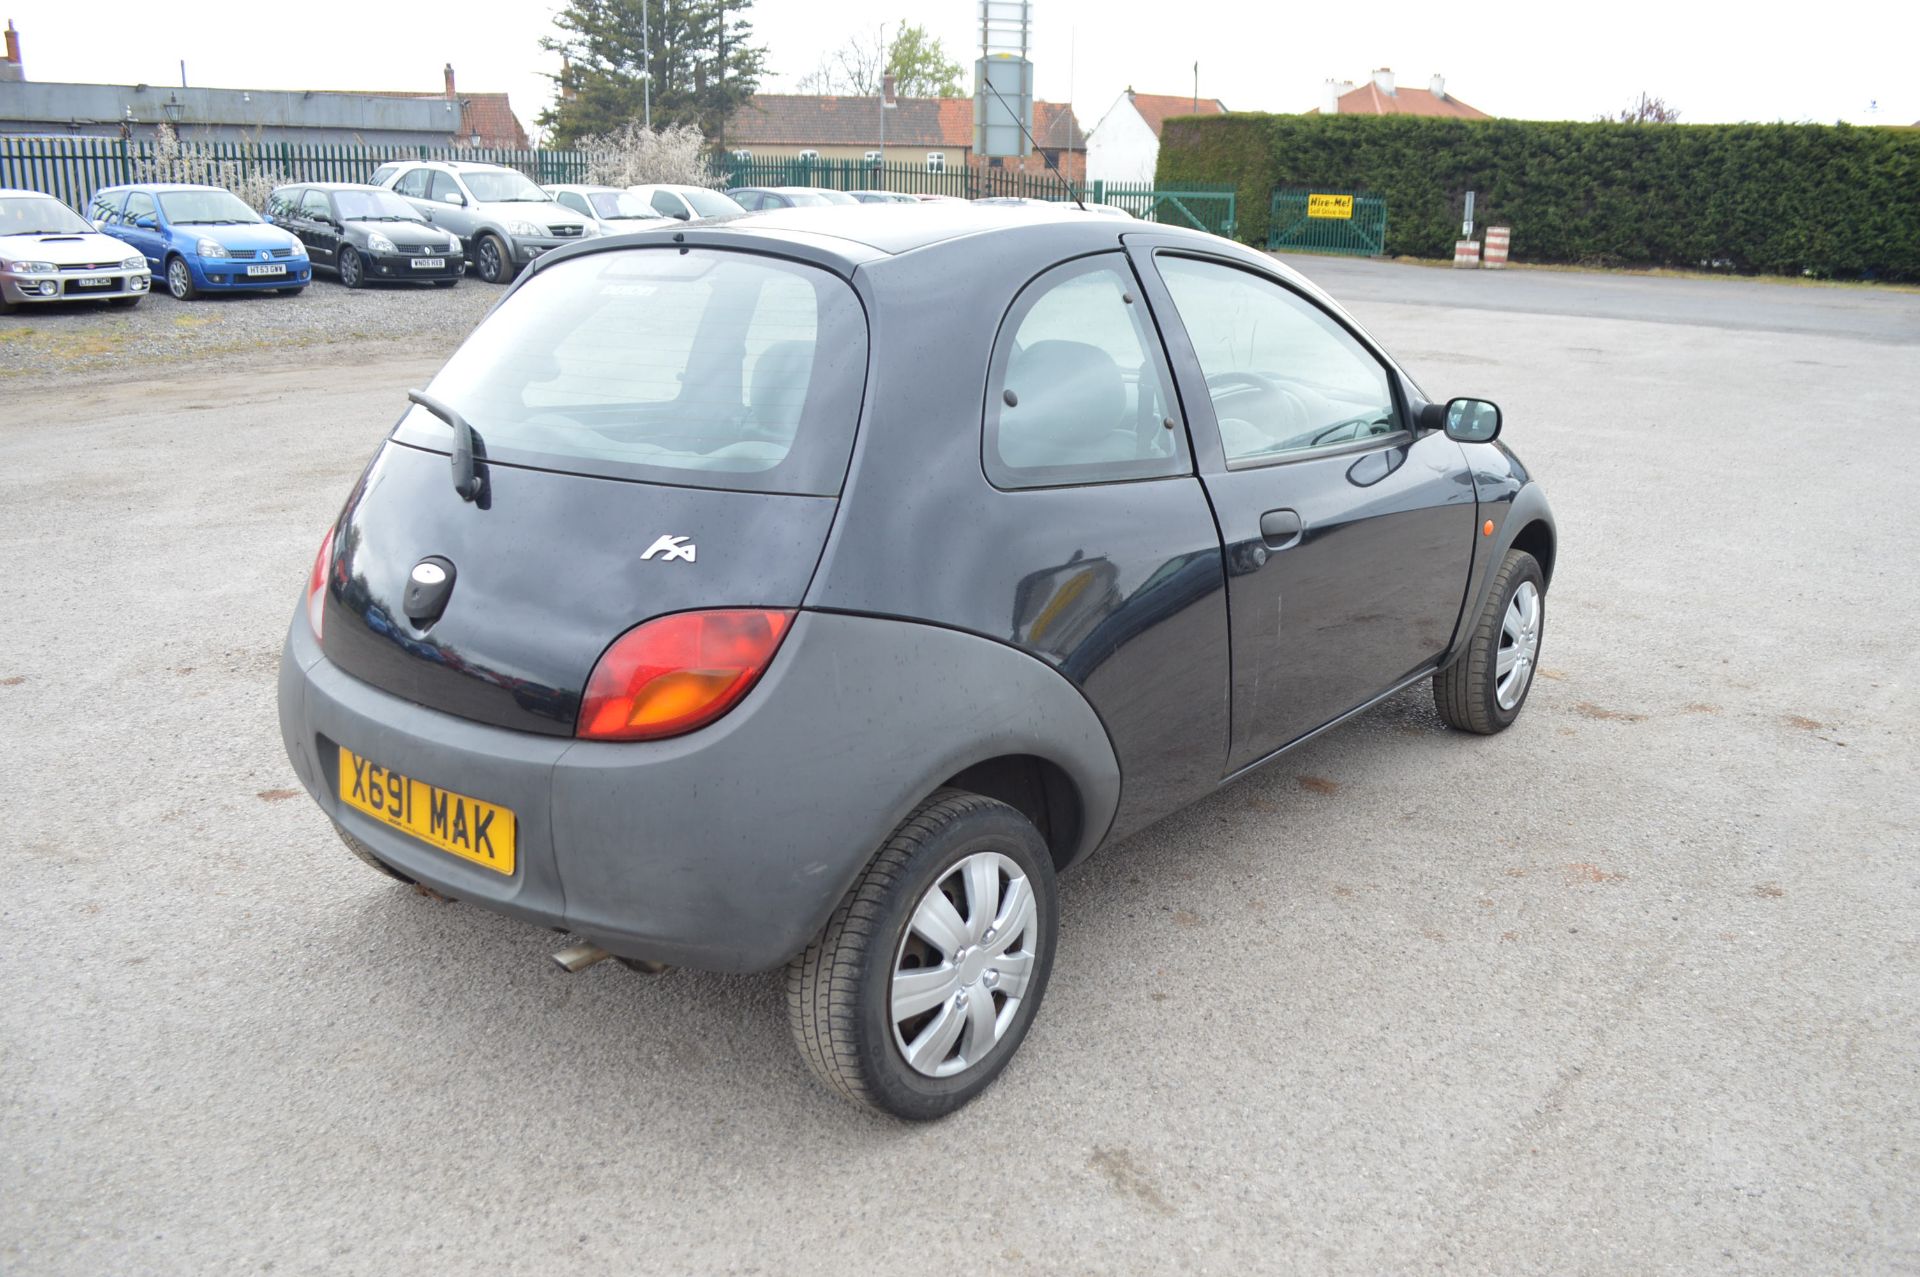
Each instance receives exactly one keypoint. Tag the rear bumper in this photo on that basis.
(728, 848)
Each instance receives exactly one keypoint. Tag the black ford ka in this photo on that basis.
(811, 588)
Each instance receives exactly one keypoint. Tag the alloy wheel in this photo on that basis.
(349, 268)
(179, 279)
(489, 261)
(963, 965)
(1519, 645)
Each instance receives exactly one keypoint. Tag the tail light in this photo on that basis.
(679, 672)
(317, 583)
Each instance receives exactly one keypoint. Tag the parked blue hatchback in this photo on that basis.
(201, 239)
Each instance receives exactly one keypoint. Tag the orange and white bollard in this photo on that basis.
(1498, 237)
(1466, 254)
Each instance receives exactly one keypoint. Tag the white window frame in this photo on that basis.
(809, 154)
(936, 161)
(873, 157)
(745, 157)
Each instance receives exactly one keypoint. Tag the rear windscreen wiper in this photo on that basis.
(466, 476)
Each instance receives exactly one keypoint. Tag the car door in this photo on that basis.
(452, 206)
(150, 240)
(319, 228)
(1348, 534)
(412, 186)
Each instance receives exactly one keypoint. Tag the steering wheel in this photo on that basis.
(1291, 408)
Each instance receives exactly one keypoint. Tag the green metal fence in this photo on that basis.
(72, 168)
(1201, 206)
(907, 179)
(1328, 221)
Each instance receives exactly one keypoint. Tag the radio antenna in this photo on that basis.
(1052, 164)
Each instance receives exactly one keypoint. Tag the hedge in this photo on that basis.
(1775, 198)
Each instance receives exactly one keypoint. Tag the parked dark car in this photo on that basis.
(924, 555)
(365, 234)
(756, 199)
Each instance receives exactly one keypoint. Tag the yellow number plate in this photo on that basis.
(466, 827)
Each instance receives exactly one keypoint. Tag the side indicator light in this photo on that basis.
(1486, 529)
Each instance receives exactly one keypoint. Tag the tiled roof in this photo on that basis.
(487, 114)
(1369, 100)
(798, 119)
(1155, 108)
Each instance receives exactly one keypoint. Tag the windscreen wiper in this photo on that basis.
(466, 476)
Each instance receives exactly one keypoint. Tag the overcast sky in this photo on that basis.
(1716, 62)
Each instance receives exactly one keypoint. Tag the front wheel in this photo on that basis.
(928, 974)
(1483, 691)
(492, 261)
(180, 280)
(353, 273)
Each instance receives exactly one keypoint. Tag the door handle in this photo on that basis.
(1279, 528)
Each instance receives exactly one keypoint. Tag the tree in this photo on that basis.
(920, 66)
(916, 60)
(635, 156)
(1648, 110)
(198, 164)
(702, 62)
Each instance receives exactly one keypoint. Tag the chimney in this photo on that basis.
(449, 74)
(1335, 90)
(10, 68)
(1439, 85)
(1383, 80)
(886, 90)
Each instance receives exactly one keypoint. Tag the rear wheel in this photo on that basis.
(180, 280)
(1484, 690)
(928, 974)
(353, 272)
(492, 261)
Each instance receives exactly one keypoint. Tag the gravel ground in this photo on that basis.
(1632, 987)
(89, 341)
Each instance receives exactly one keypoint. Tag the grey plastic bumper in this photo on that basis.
(728, 848)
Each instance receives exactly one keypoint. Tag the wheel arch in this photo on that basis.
(1037, 788)
(1536, 538)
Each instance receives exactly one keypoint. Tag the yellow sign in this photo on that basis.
(467, 827)
(1340, 206)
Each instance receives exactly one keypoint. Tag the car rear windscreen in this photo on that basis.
(696, 367)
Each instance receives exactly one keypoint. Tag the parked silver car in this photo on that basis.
(685, 203)
(505, 220)
(608, 209)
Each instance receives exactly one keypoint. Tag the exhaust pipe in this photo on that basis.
(578, 957)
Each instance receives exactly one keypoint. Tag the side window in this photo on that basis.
(569, 199)
(139, 204)
(667, 204)
(1078, 391)
(314, 205)
(105, 207)
(443, 186)
(1283, 374)
(382, 174)
(413, 183)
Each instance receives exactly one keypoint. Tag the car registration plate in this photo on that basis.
(266, 270)
(429, 263)
(466, 827)
(96, 281)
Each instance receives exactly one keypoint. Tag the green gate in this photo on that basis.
(1205, 208)
(1321, 221)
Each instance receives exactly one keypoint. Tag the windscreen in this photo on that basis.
(205, 208)
(711, 203)
(696, 367)
(38, 215)
(502, 186)
(373, 206)
(615, 205)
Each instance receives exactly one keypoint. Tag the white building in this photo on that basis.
(1125, 145)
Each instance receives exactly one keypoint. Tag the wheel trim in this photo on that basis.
(961, 970)
(1519, 646)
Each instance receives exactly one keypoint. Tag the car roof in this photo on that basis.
(9, 192)
(163, 186)
(328, 186)
(587, 188)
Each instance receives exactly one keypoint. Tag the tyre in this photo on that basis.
(492, 261)
(1484, 690)
(9, 308)
(180, 280)
(353, 271)
(124, 303)
(365, 854)
(925, 979)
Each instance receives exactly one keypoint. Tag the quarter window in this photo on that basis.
(1284, 376)
(1078, 392)
(444, 185)
(413, 183)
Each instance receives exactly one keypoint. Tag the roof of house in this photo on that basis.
(1156, 108)
(801, 119)
(487, 114)
(1369, 100)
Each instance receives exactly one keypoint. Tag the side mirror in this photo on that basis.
(1465, 420)
(681, 216)
(146, 222)
(454, 197)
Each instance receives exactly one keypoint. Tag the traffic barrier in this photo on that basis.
(1466, 253)
(1498, 237)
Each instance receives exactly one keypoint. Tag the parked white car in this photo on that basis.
(49, 253)
(685, 203)
(608, 209)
